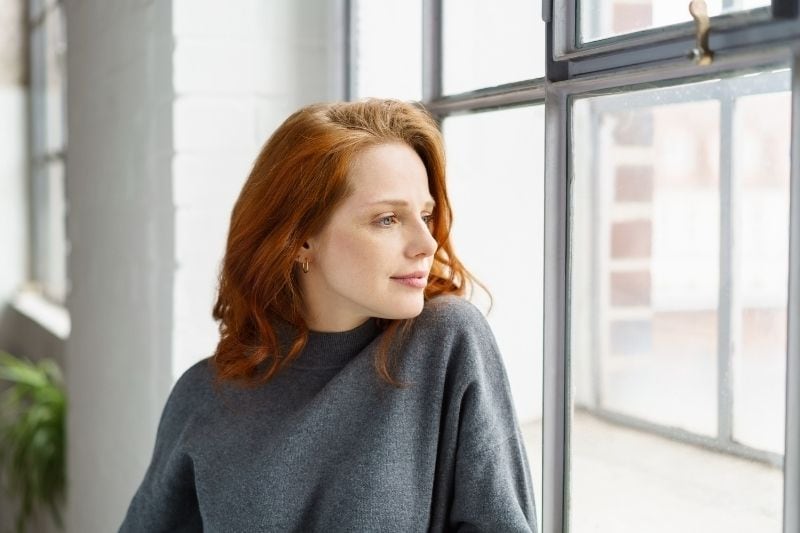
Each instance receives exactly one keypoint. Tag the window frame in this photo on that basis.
(729, 33)
(557, 273)
(719, 91)
(46, 276)
(652, 56)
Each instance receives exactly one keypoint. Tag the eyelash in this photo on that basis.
(427, 218)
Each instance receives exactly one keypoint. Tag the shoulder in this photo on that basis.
(192, 388)
(186, 399)
(455, 336)
(452, 320)
(197, 376)
(450, 311)
(457, 327)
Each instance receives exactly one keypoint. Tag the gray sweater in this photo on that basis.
(327, 446)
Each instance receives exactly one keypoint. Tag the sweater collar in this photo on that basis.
(335, 349)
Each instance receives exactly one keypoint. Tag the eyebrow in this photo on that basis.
(401, 203)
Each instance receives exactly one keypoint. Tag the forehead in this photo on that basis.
(391, 169)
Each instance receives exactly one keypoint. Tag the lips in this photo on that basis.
(417, 280)
(417, 274)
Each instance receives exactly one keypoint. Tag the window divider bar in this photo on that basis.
(695, 93)
(671, 44)
(347, 59)
(791, 463)
(648, 39)
(785, 9)
(556, 402)
(599, 329)
(674, 70)
(431, 50)
(503, 96)
(727, 305)
(687, 437)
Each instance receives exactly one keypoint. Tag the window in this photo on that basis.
(679, 228)
(636, 215)
(47, 53)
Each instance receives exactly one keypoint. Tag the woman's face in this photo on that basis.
(373, 257)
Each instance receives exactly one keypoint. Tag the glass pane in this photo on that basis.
(649, 406)
(761, 159)
(55, 280)
(36, 8)
(646, 239)
(389, 49)
(600, 19)
(495, 180)
(491, 43)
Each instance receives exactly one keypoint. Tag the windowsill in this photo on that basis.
(52, 317)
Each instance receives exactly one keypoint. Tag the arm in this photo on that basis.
(166, 499)
(493, 489)
(492, 482)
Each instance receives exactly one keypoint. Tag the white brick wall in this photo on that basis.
(13, 195)
(168, 105)
(237, 75)
(13, 159)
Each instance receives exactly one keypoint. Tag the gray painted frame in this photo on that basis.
(728, 321)
(568, 43)
(791, 464)
(557, 273)
(760, 26)
(431, 50)
(555, 406)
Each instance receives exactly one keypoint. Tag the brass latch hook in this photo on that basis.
(702, 55)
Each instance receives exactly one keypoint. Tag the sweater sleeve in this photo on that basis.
(166, 499)
(492, 482)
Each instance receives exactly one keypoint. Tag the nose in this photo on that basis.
(422, 242)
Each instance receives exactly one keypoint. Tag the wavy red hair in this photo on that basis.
(297, 180)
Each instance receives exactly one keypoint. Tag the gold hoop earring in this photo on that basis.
(305, 266)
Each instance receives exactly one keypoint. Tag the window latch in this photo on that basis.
(701, 54)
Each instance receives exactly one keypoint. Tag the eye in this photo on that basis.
(387, 221)
(428, 219)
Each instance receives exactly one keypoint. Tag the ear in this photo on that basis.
(302, 257)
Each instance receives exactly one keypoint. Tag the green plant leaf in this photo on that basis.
(32, 436)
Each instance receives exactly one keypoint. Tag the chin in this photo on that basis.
(402, 311)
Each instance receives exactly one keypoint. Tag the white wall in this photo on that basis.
(168, 104)
(237, 76)
(13, 161)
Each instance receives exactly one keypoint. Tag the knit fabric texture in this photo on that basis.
(327, 446)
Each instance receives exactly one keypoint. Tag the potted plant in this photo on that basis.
(32, 436)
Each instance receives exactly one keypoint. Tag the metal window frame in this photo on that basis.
(725, 91)
(655, 56)
(791, 464)
(557, 271)
(568, 58)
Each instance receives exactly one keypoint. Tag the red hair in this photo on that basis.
(296, 182)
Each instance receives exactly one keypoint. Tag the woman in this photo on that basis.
(352, 388)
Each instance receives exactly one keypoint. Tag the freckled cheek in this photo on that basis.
(358, 256)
